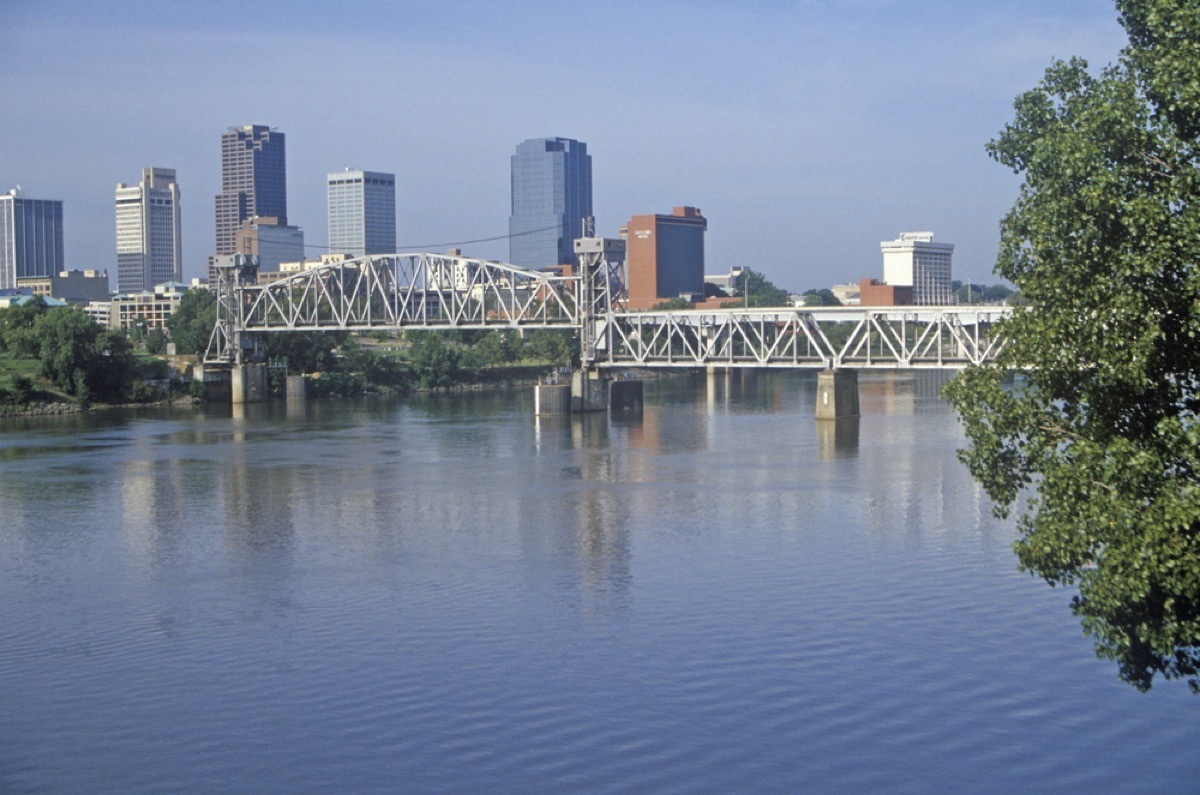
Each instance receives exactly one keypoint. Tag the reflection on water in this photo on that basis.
(445, 593)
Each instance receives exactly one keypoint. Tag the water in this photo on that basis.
(444, 595)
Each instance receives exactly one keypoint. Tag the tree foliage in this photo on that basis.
(822, 297)
(83, 359)
(1099, 428)
(17, 335)
(191, 324)
(757, 291)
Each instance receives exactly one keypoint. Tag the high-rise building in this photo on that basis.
(914, 260)
(253, 181)
(665, 256)
(148, 232)
(551, 195)
(273, 243)
(31, 238)
(362, 212)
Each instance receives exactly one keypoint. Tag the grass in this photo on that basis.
(43, 390)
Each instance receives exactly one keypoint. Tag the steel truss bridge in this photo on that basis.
(435, 291)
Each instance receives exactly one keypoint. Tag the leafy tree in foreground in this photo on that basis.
(1100, 426)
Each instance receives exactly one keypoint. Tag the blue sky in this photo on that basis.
(806, 131)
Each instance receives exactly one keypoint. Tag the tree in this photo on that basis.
(83, 359)
(756, 291)
(17, 335)
(1099, 427)
(156, 341)
(305, 351)
(191, 324)
(822, 297)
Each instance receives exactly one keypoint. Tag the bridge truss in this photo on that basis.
(433, 291)
(818, 337)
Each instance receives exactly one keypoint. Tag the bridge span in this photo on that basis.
(440, 291)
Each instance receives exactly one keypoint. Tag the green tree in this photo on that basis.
(305, 351)
(758, 292)
(1100, 425)
(83, 359)
(156, 341)
(191, 324)
(822, 297)
(435, 364)
(17, 335)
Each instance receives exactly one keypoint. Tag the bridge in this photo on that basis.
(395, 292)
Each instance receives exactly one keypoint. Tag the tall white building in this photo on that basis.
(914, 260)
(362, 212)
(149, 251)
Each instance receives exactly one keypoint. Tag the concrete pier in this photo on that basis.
(297, 387)
(551, 400)
(248, 383)
(837, 394)
(589, 392)
(625, 395)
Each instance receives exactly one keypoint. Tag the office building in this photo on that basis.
(270, 241)
(74, 286)
(551, 197)
(148, 231)
(31, 238)
(362, 212)
(665, 256)
(915, 261)
(253, 181)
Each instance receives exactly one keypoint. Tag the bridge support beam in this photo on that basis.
(248, 383)
(589, 392)
(552, 400)
(837, 394)
(625, 395)
(297, 387)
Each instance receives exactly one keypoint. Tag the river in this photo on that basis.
(444, 594)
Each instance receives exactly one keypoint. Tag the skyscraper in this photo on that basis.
(362, 212)
(253, 181)
(914, 260)
(31, 238)
(551, 195)
(148, 232)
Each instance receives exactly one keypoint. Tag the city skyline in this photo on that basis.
(809, 131)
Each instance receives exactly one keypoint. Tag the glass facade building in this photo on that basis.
(253, 181)
(31, 238)
(551, 195)
(149, 251)
(362, 212)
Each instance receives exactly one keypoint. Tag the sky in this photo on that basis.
(806, 131)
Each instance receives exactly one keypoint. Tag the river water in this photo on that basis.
(443, 594)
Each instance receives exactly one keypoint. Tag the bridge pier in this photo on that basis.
(248, 383)
(552, 400)
(297, 387)
(589, 391)
(837, 394)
